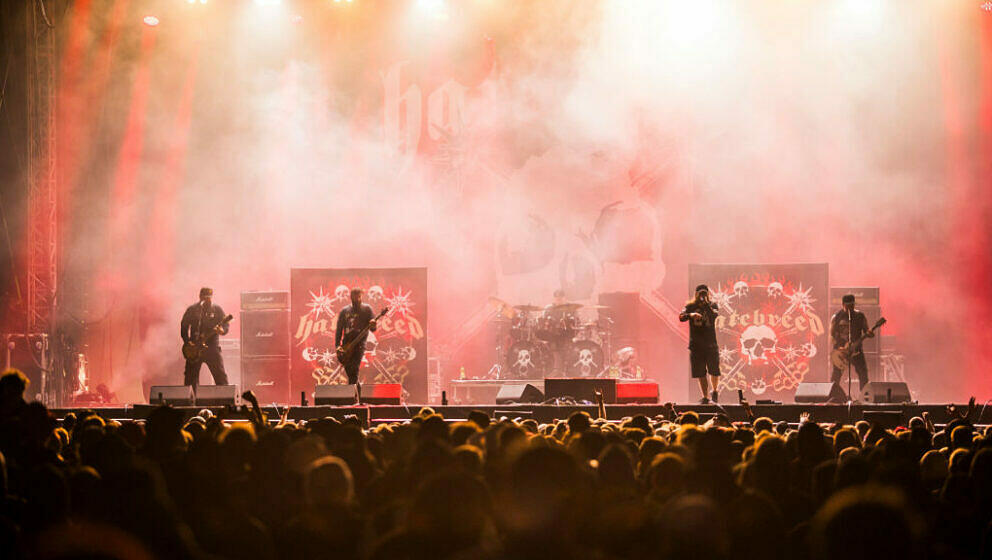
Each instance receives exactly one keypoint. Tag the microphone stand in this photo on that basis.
(850, 360)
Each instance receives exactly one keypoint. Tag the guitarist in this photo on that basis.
(204, 317)
(846, 325)
(352, 320)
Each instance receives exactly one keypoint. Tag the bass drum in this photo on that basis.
(557, 329)
(584, 358)
(527, 359)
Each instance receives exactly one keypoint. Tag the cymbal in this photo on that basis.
(572, 307)
(527, 308)
(495, 301)
(567, 307)
(504, 309)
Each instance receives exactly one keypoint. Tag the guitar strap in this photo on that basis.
(199, 322)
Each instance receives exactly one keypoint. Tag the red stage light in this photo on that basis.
(150, 21)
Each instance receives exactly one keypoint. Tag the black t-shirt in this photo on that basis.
(198, 318)
(351, 322)
(841, 329)
(702, 332)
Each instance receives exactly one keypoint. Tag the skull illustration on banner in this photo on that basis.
(770, 324)
(395, 353)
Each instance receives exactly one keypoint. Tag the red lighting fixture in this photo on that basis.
(150, 21)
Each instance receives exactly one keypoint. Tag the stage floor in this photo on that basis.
(374, 414)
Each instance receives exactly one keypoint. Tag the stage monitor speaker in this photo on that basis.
(581, 389)
(886, 392)
(265, 333)
(637, 393)
(382, 393)
(519, 393)
(180, 395)
(820, 393)
(268, 378)
(335, 395)
(216, 395)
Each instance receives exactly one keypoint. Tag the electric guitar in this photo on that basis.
(841, 357)
(346, 352)
(193, 349)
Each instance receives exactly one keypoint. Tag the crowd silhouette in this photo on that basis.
(672, 487)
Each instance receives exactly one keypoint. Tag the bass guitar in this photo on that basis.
(841, 357)
(346, 352)
(193, 349)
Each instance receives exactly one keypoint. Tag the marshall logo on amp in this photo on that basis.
(261, 301)
(261, 334)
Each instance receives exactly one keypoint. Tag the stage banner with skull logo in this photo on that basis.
(395, 353)
(772, 325)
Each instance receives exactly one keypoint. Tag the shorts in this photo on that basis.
(704, 361)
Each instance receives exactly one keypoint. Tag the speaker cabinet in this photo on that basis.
(179, 395)
(265, 334)
(268, 378)
(382, 393)
(623, 308)
(216, 395)
(519, 393)
(820, 393)
(335, 395)
(581, 389)
(886, 392)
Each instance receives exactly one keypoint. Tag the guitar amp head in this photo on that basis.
(260, 301)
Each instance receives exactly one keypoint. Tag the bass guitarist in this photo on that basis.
(846, 325)
(206, 320)
(352, 321)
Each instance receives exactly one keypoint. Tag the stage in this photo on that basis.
(370, 415)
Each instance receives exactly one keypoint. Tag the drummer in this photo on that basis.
(557, 320)
(555, 309)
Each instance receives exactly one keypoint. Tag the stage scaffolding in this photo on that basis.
(42, 273)
(42, 189)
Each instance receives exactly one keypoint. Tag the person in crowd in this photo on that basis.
(193, 485)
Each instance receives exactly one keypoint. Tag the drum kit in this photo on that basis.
(553, 341)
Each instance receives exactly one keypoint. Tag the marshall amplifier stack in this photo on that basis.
(265, 345)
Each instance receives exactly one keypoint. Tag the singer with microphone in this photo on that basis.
(704, 353)
(846, 325)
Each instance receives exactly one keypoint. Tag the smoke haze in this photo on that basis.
(236, 141)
